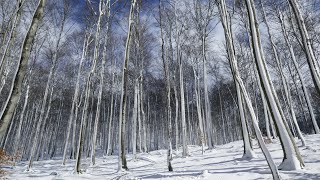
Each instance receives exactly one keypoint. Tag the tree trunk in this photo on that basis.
(313, 66)
(292, 159)
(296, 66)
(183, 112)
(103, 10)
(16, 88)
(75, 98)
(168, 93)
(197, 90)
(122, 164)
(236, 76)
(283, 78)
(134, 120)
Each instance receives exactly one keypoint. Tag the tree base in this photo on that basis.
(248, 155)
(290, 164)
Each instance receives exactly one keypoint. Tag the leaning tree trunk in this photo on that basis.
(292, 159)
(296, 66)
(46, 93)
(312, 62)
(16, 88)
(283, 78)
(234, 69)
(9, 43)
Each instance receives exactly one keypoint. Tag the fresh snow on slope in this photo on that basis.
(223, 162)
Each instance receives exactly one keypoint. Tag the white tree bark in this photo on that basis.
(236, 76)
(283, 78)
(47, 89)
(75, 98)
(168, 93)
(183, 111)
(134, 120)
(122, 163)
(313, 65)
(12, 36)
(110, 118)
(91, 74)
(16, 88)
(296, 66)
(103, 10)
(292, 159)
(197, 90)
(139, 119)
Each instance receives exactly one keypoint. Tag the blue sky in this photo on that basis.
(122, 5)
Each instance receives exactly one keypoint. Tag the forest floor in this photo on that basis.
(222, 162)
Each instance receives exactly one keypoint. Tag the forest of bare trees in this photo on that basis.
(111, 77)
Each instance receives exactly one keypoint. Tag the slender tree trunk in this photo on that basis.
(296, 66)
(91, 74)
(144, 143)
(176, 114)
(236, 76)
(292, 159)
(283, 78)
(10, 41)
(16, 88)
(46, 93)
(134, 120)
(75, 98)
(168, 93)
(183, 112)
(198, 101)
(122, 164)
(110, 118)
(139, 118)
(18, 133)
(105, 9)
(313, 66)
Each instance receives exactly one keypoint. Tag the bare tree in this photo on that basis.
(122, 164)
(16, 87)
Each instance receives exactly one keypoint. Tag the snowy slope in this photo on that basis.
(223, 162)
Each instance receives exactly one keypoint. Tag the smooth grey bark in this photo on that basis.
(16, 88)
(12, 37)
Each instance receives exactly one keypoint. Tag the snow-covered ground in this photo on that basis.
(223, 162)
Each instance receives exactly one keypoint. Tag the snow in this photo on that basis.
(222, 162)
